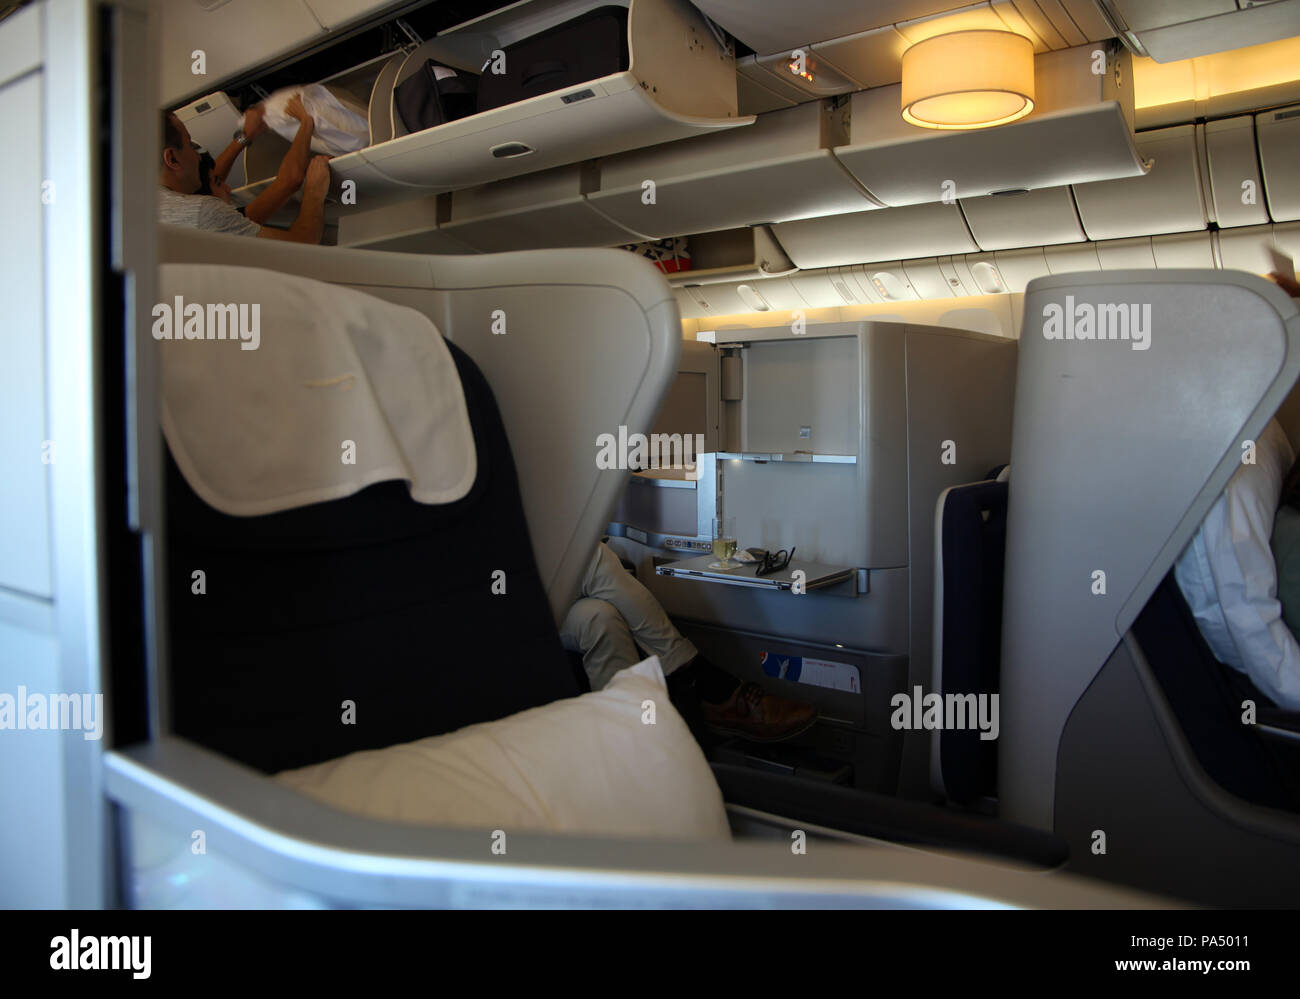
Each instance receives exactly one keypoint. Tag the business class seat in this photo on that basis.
(388, 603)
(1119, 731)
(373, 599)
(1259, 764)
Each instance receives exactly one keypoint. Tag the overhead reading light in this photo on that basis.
(968, 79)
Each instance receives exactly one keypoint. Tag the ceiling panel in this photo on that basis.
(768, 26)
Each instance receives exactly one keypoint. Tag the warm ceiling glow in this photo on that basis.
(968, 79)
(1207, 77)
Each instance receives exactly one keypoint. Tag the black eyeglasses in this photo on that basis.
(774, 562)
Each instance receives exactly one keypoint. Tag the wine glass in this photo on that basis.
(724, 543)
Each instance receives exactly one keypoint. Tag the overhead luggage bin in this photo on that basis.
(778, 169)
(1170, 32)
(661, 94)
(1236, 190)
(1279, 150)
(409, 227)
(864, 237)
(536, 211)
(1168, 199)
(1023, 218)
(1081, 129)
(261, 159)
(678, 83)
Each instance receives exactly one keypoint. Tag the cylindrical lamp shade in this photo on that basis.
(968, 79)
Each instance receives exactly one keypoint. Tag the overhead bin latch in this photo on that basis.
(509, 150)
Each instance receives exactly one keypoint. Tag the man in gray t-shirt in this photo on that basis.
(179, 178)
(202, 211)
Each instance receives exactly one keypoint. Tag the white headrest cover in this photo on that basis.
(315, 392)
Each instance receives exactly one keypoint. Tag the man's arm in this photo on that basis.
(310, 223)
(293, 168)
(253, 125)
(222, 167)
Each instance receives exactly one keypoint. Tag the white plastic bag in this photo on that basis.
(340, 128)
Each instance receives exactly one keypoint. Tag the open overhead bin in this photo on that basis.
(1081, 129)
(671, 80)
(678, 82)
(778, 169)
(353, 88)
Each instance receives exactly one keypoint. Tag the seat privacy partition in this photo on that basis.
(1121, 443)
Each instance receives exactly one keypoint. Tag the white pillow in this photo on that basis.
(1228, 576)
(586, 764)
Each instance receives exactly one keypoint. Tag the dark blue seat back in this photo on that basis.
(373, 600)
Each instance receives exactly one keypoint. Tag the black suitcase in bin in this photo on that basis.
(585, 48)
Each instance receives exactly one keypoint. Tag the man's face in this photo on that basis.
(187, 158)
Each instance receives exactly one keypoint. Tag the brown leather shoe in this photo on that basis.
(753, 713)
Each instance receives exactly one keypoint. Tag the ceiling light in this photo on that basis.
(968, 79)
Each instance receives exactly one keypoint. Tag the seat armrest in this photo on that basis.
(866, 813)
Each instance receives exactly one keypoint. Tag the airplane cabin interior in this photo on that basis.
(902, 376)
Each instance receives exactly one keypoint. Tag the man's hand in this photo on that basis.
(296, 109)
(317, 183)
(1287, 283)
(254, 120)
